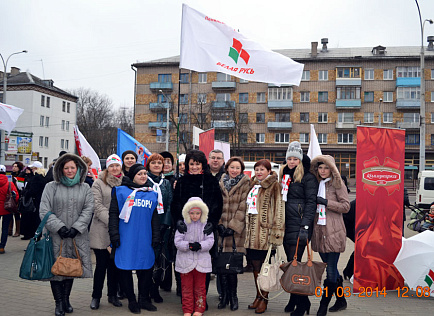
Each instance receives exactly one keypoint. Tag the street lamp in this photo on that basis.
(167, 119)
(422, 93)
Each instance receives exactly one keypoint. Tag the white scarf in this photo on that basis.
(156, 187)
(286, 180)
(321, 209)
(129, 203)
(251, 199)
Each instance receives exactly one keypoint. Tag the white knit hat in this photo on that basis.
(113, 159)
(294, 150)
(182, 158)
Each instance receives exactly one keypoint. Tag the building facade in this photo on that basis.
(340, 89)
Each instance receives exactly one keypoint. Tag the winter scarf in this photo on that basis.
(321, 209)
(71, 182)
(229, 182)
(156, 188)
(129, 203)
(252, 197)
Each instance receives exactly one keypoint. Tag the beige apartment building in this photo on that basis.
(340, 89)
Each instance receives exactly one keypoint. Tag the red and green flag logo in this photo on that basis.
(236, 51)
(429, 279)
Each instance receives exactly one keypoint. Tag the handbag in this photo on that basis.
(10, 204)
(39, 258)
(68, 267)
(26, 206)
(269, 277)
(228, 262)
(302, 277)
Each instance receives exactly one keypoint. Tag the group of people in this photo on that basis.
(142, 218)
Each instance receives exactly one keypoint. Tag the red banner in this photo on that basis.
(206, 141)
(379, 207)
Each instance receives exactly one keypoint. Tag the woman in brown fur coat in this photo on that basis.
(234, 185)
(265, 222)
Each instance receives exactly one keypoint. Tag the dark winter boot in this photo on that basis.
(145, 303)
(303, 306)
(341, 302)
(326, 298)
(255, 303)
(232, 291)
(67, 286)
(290, 307)
(155, 293)
(114, 300)
(349, 269)
(57, 289)
(133, 306)
(178, 284)
(223, 278)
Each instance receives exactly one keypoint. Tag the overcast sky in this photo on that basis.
(92, 43)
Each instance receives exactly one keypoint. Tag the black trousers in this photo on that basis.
(104, 264)
(144, 278)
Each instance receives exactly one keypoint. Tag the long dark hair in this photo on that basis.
(198, 156)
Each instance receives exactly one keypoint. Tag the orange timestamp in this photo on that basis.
(346, 291)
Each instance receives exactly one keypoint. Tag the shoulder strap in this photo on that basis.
(42, 224)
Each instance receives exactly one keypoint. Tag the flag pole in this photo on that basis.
(177, 127)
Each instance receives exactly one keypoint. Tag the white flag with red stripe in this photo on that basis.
(84, 149)
(9, 115)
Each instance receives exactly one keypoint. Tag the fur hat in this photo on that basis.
(294, 150)
(195, 202)
(113, 159)
(166, 154)
(134, 169)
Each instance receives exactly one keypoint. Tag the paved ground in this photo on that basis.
(20, 297)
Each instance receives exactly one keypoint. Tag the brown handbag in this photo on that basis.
(68, 267)
(302, 277)
(10, 204)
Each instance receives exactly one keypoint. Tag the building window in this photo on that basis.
(412, 139)
(322, 117)
(184, 78)
(68, 107)
(260, 137)
(323, 96)
(345, 138)
(224, 137)
(432, 96)
(47, 121)
(432, 139)
(41, 121)
(408, 93)
(432, 74)
(223, 116)
(243, 138)
(304, 138)
(279, 94)
(221, 97)
(48, 102)
(304, 117)
(369, 74)
(41, 141)
(67, 125)
(244, 98)
(202, 77)
(411, 117)
(244, 117)
(282, 117)
(183, 118)
(183, 98)
(161, 138)
(388, 117)
(62, 143)
(368, 117)
(323, 75)
(281, 138)
(348, 72)
(62, 126)
(42, 100)
(260, 97)
(346, 117)
(63, 106)
(369, 96)
(387, 96)
(164, 78)
(304, 96)
(161, 117)
(244, 81)
(66, 144)
(322, 138)
(306, 75)
(432, 117)
(223, 77)
(348, 93)
(46, 142)
(161, 98)
(388, 74)
(408, 72)
(201, 98)
(260, 117)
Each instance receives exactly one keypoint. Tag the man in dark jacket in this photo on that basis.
(216, 161)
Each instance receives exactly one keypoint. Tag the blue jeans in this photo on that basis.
(6, 219)
(331, 258)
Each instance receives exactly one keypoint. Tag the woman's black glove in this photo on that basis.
(303, 234)
(73, 232)
(207, 230)
(116, 243)
(63, 232)
(195, 246)
(229, 232)
(320, 200)
(181, 227)
(221, 230)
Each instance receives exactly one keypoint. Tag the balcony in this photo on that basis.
(224, 85)
(168, 86)
(158, 125)
(279, 125)
(408, 82)
(347, 125)
(407, 104)
(280, 105)
(348, 104)
(156, 106)
(408, 125)
(223, 124)
(348, 82)
(223, 104)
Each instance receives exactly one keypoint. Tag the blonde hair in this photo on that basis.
(40, 171)
(86, 160)
(299, 172)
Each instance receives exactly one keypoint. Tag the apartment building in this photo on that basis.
(340, 89)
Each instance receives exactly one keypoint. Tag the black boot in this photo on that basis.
(94, 304)
(303, 306)
(114, 300)
(341, 302)
(133, 306)
(145, 303)
(155, 294)
(326, 298)
(232, 291)
(67, 286)
(224, 289)
(178, 284)
(57, 289)
(349, 269)
(290, 307)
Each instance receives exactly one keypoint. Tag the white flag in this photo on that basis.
(210, 45)
(9, 115)
(84, 149)
(314, 149)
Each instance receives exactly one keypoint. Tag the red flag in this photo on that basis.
(206, 141)
(379, 207)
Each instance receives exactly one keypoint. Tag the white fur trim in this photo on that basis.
(195, 203)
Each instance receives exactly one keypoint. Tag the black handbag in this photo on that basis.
(26, 206)
(228, 262)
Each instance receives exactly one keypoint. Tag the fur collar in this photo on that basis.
(189, 205)
(267, 182)
(330, 162)
(111, 180)
(58, 173)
